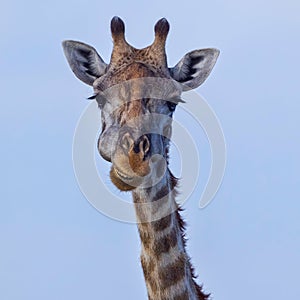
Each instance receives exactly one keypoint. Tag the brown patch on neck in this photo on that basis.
(174, 272)
(157, 243)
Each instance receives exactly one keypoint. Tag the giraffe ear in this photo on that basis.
(84, 61)
(193, 69)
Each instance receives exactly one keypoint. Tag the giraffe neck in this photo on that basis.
(166, 265)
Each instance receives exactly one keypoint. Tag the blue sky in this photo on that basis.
(244, 245)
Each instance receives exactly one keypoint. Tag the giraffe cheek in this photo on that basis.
(107, 143)
(104, 154)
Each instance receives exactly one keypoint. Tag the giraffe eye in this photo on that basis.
(171, 106)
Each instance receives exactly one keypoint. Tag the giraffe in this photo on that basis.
(137, 94)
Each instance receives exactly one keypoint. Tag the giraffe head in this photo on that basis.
(137, 94)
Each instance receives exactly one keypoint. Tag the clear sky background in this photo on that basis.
(244, 245)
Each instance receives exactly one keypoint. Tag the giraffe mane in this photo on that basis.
(182, 225)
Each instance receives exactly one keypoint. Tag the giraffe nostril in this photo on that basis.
(127, 142)
(145, 145)
(142, 145)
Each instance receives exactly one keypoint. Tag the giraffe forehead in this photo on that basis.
(149, 115)
(128, 69)
(136, 97)
(136, 108)
(140, 88)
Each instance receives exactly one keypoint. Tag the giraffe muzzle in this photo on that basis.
(134, 162)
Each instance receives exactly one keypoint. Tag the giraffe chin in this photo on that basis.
(122, 181)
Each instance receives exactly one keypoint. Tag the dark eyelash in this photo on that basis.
(92, 97)
(178, 100)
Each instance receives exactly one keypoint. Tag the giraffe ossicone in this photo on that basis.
(137, 94)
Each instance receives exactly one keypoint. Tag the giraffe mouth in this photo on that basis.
(122, 176)
(122, 181)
